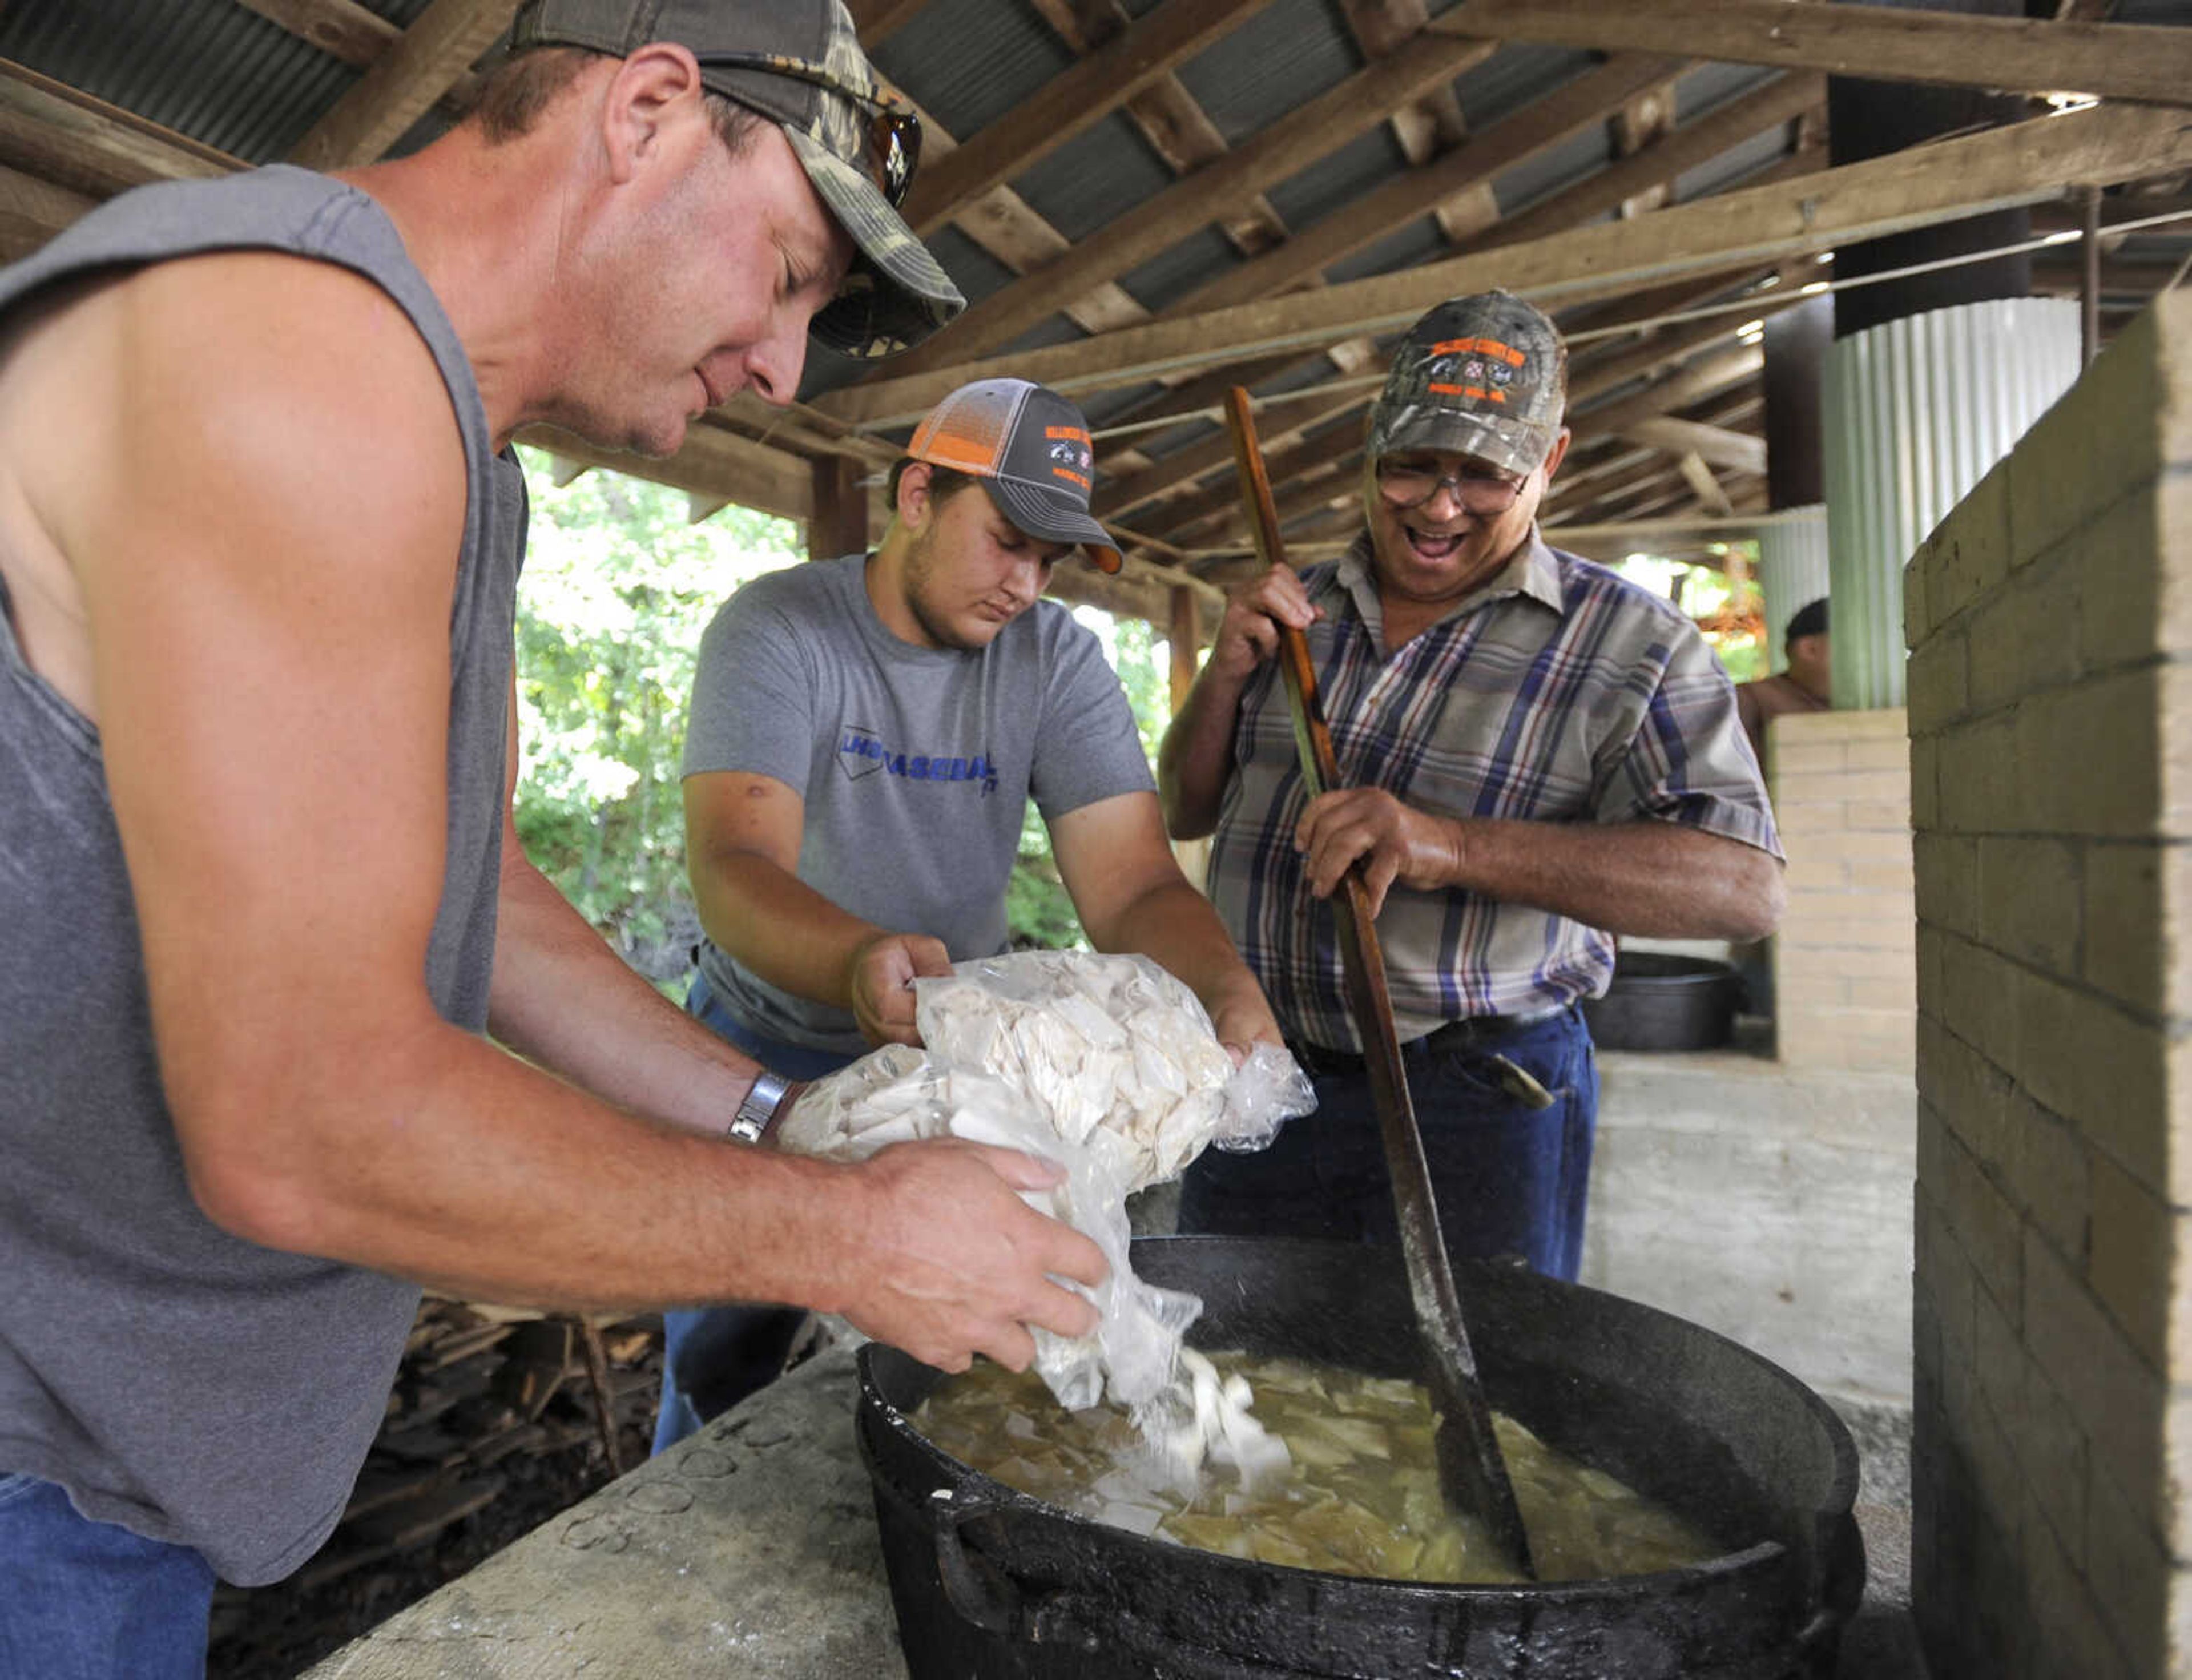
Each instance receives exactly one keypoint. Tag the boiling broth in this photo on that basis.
(1361, 1498)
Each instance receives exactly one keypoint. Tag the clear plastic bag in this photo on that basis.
(1106, 1065)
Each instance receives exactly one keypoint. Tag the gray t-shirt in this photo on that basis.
(916, 764)
(175, 1379)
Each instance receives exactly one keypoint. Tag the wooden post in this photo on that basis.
(1186, 634)
(839, 523)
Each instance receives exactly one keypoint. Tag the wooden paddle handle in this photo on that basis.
(1320, 764)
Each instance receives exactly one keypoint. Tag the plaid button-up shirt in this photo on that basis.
(1558, 691)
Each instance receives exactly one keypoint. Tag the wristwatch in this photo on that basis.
(758, 1110)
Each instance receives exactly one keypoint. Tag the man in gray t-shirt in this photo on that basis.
(865, 734)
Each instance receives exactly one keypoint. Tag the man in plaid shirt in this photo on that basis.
(1535, 755)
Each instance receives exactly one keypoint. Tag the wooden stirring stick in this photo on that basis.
(1472, 1474)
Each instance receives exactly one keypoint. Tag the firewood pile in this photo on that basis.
(498, 1419)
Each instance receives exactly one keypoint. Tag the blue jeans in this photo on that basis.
(81, 1600)
(1509, 1180)
(713, 1356)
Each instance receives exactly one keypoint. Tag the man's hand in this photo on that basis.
(881, 979)
(1243, 1022)
(1248, 634)
(954, 1263)
(1394, 843)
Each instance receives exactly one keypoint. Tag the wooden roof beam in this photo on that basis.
(1731, 125)
(2114, 61)
(1281, 149)
(714, 462)
(1431, 122)
(876, 20)
(1586, 102)
(33, 211)
(1177, 128)
(1070, 104)
(84, 145)
(405, 82)
(1118, 499)
(1943, 181)
(1715, 445)
(1706, 487)
(1283, 467)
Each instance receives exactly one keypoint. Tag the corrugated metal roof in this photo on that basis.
(223, 75)
(967, 62)
(1280, 58)
(1338, 178)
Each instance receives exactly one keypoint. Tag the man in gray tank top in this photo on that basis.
(268, 942)
(865, 734)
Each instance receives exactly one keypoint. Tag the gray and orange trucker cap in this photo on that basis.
(799, 63)
(1031, 449)
(1485, 376)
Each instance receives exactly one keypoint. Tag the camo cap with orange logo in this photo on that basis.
(1485, 376)
(1031, 449)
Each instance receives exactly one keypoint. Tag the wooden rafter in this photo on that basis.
(2114, 61)
(71, 140)
(405, 82)
(1429, 124)
(1585, 103)
(1730, 124)
(1713, 445)
(1282, 149)
(1169, 117)
(1945, 181)
(1070, 104)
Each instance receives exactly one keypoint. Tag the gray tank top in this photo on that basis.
(173, 1379)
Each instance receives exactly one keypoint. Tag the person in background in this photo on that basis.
(864, 735)
(1535, 755)
(1807, 685)
(287, 1020)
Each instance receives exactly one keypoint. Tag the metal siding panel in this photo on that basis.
(1914, 412)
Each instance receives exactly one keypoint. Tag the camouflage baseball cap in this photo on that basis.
(799, 63)
(1031, 449)
(1485, 376)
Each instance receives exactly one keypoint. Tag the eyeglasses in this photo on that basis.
(893, 129)
(1406, 483)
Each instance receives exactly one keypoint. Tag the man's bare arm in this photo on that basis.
(265, 527)
(1131, 895)
(742, 834)
(1648, 878)
(562, 997)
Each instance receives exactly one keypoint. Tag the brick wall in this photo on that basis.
(2049, 700)
(1844, 968)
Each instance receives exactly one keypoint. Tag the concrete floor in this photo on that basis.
(751, 1549)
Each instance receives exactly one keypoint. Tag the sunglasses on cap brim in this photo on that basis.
(894, 129)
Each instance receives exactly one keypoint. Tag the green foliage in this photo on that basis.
(617, 590)
(618, 587)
